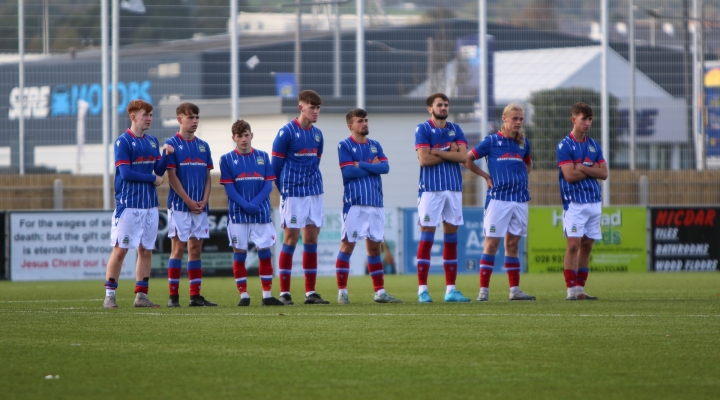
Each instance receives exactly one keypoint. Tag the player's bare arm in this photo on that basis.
(529, 166)
(180, 191)
(206, 194)
(470, 164)
(597, 171)
(459, 155)
(426, 158)
(571, 174)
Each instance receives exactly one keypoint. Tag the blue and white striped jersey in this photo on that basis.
(248, 173)
(142, 155)
(299, 151)
(587, 152)
(446, 175)
(506, 160)
(367, 190)
(191, 162)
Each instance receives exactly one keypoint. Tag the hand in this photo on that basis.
(489, 182)
(168, 149)
(376, 160)
(192, 205)
(158, 181)
(252, 209)
(357, 164)
(202, 203)
(454, 147)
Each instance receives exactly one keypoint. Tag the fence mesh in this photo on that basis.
(543, 54)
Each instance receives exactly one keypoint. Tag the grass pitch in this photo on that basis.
(650, 336)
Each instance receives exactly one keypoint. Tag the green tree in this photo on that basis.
(551, 122)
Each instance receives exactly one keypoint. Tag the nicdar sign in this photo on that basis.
(685, 239)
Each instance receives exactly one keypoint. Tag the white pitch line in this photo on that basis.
(47, 301)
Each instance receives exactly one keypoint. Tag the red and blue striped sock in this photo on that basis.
(174, 268)
(487, 264)
(423, 256)
(450, 258)
(110, 287)
(142, 286)
(570, 278)
(309, 263)
(285, 267)
(195, 275)
(265, 270)
(375, 268)
(512, 266)
(582, 275)
(239, 271)
(342, 269)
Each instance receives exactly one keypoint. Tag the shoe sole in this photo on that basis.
(175, 305)
(147, 306)
(104, 306)
(522, 299)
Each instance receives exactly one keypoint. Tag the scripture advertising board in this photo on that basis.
(63, 246)
(623, 246)
(685, 238)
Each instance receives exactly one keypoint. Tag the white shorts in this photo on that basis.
(298, 212)
(134, 227)
(503, 217)
(583, 219)
(263, 235)
(186, 225)
(362, 222)
(434, 205)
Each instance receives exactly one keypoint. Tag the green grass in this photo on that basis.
(650, 336)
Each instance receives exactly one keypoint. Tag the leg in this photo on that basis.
(586, 245)
(142, 277)
(512, 262)
(342, 268)
(265, 270)
(571, 265)
(240, 275)
(174, 270)
(309, 262)
(450, 255)
(194, 246)
(375, 266)
(487, 264)
(427, 238)
(292, 235)
(112, 274)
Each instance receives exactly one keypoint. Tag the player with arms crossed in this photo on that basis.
(296, 152)
(441, 148)
(581, 164)
(189, 177)
(247, 176)
(135, 220)
(362, 161)
(506, 204)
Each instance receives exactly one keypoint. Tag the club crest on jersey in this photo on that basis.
(260, 161)
(317, 137)
(522, 146)
(293, 219)
(126, 240)
(152, 144)
(202, 148)
(373, 149)
(592, 149)
(451, 133)
(426, 218)
(492, 228)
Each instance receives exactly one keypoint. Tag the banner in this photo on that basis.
(685, 238)
(329, 245)
(623, 246)
(470, 244)
(63, 246)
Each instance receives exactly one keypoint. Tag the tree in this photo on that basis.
(551, 122)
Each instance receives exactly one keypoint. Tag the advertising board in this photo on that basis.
(685, 238)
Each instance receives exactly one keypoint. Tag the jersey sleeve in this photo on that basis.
(422, 139)
(123, 152)
(527, 157)
(345, 156)
(209, 157)
(225, 172)
(600, 157)
(281, 143)
(172, 158)
(460, 135)
(483, 148)
(321, 145)
(563, 154)
(269, 171)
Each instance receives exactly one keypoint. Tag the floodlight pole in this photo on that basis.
(21, 86)
(482, 87)
(105, 108)
(234, 78)
(360, 53)
(115, 66)
(605, 129)
(631, 83)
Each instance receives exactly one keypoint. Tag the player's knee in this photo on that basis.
(573, 246)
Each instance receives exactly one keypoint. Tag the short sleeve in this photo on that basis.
(269, 172)
(172, 158)
(209, 157)
(321, 145)
(460, 135)
(381, 154)
(281, 143)
(226, 176)
(564, 155)
(601, 157)
(421, 137)
(345, 155)
(122, 152)
(483, 148)
(527, 157)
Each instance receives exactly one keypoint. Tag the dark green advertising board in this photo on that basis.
(623, 246)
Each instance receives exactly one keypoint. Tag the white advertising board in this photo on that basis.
(329, 244)
(63, 246)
